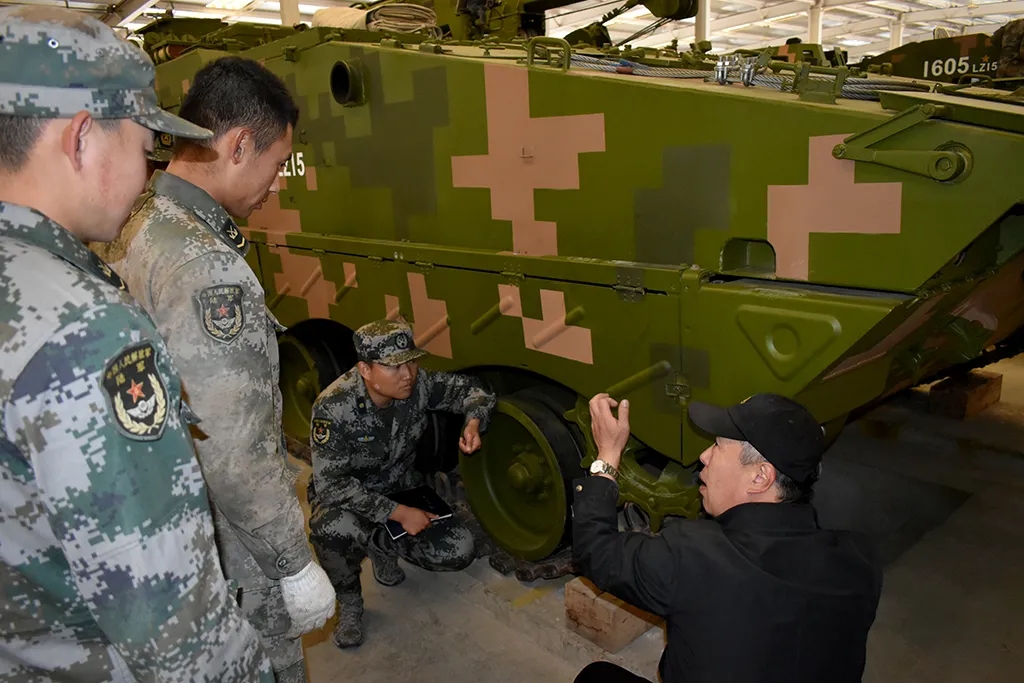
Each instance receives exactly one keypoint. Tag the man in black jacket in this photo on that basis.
(757, 593)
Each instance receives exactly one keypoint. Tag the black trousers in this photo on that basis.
(606, 672)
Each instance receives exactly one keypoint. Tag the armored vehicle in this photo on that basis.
(661, 225)
(941, 59)
(795, 50)
(996, 60)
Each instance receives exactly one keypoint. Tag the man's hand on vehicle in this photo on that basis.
(610, 433)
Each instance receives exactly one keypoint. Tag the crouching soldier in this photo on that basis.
(365, 427)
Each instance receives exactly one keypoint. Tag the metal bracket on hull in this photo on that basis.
(950, 162)
(678, 390)
(563, 45)
(629, 284)
(811, 89)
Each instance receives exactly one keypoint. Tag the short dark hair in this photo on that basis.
(19, 135)
(233, 91)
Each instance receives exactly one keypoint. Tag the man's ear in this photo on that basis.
(236, 144)
(763, 479)
(364, 370)
(76, 136)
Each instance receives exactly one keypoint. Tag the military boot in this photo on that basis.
(384, 559)
(349, 631)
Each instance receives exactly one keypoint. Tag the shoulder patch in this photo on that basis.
(220, 312)
(137, 392)
(321, 431)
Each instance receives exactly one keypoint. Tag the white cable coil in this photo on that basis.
(401, 18)
(394, 17)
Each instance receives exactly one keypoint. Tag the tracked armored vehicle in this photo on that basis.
(941, 59)
(662, 225)
(995, 60)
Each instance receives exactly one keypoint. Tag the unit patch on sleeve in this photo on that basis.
(220, 312)
(321, 431)
(137, 393)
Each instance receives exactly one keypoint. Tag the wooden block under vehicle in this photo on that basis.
(967, 395)
(602, 618)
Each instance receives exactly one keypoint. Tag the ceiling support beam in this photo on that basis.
(855, 28)
(981, 10)
(768, 13)
(896, 34)
(290, 12)
(814, 23)
(127, 11)
(980, 28)
(840, 3)
(702, 22)
(923, 16)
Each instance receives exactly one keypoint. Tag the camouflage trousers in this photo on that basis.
(340, 539)
(261, 602)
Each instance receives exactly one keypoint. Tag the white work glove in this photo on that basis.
(308, 598)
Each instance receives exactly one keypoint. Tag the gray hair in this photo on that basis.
(788, 489)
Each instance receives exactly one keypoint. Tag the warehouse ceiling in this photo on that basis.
(862, 27)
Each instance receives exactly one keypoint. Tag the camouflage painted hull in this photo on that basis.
(664, 237)
(996, 60)
(942, 59)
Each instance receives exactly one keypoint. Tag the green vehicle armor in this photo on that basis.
(565, 219)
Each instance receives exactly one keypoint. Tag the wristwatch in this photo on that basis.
(601, 467)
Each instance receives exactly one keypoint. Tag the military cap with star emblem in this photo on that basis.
(386, 342)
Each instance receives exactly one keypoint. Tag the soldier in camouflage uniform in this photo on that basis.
(182, 256)
(364, 431)
(1010, 38)
(107, 563)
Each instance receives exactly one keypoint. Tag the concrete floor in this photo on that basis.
(945, 500)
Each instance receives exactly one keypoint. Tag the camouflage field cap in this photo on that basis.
(56, 62)
(386, 342)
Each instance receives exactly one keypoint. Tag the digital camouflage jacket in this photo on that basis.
(108, 570)
(183, 259)
(361, 453)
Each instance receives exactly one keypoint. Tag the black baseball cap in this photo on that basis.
(782, 430)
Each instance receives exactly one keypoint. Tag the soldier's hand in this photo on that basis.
(470, 440)
(308, 598)
(610, 433)
(413, 520)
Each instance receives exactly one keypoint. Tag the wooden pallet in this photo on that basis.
(967, 395)
(602, 618)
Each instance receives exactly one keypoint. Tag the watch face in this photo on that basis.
(595, 467)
